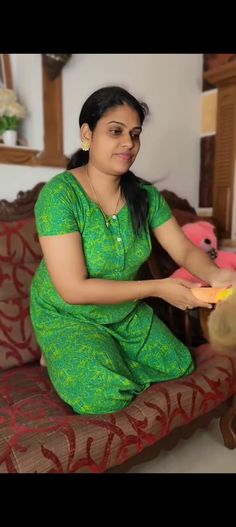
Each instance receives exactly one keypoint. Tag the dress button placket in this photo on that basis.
(120, 253)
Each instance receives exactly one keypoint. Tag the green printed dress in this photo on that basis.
(99, 357)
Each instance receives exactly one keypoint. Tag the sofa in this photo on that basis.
(39, 433)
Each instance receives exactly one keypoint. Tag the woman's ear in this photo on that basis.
(85, 133)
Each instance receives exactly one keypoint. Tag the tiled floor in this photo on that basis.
(203, 452)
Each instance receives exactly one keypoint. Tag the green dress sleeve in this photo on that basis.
(159, 210)
(54, 209)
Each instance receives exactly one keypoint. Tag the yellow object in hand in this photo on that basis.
(212, 295)
(223, 295)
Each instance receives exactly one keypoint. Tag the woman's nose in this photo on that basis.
(127, 141)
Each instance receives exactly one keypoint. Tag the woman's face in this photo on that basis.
(115, 142)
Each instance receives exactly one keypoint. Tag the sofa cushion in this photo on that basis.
(15, 279)
(20, 255)
(17, 341)
(40, 433)
(19, 242)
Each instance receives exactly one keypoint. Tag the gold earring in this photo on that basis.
(85, 146)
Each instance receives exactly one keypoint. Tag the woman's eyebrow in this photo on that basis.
(123, 124)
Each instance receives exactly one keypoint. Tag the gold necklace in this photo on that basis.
(106, 216)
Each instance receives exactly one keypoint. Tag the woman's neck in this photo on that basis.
(105, 184)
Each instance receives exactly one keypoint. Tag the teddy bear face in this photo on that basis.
(201, 234)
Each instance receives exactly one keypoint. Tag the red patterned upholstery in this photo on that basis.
(39, 433)
(17, 341)
(19, 242)
(20, 255)
(15, 279)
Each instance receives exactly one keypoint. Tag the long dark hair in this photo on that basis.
(93, 109)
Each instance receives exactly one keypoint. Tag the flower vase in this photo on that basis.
(9, 137)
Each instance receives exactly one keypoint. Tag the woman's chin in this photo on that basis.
(123, 165)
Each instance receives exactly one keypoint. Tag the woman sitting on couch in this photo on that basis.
(102, 343)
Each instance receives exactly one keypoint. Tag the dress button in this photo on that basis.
(114, 217)
(119, 239)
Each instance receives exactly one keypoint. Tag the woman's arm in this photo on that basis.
(65, 262)
(185, 254)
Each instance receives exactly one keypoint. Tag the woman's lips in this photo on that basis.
(126, 157)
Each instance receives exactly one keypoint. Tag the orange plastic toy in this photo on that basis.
(212, 295)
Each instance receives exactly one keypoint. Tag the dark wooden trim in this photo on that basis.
(224, 78)
(222, 75)
(7, 70)
(18, 155)
(52, 154)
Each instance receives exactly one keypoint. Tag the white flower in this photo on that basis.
(15, 109)
(11, 111)
(7, 96)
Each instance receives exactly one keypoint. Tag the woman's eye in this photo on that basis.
(115, 132)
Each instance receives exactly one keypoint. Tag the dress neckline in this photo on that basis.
(90, 199)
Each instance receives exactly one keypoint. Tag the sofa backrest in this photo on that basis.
(183, 213)
(20, 255)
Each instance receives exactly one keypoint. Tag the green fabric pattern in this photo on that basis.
(99, 357)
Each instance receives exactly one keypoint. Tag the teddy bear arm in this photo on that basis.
(226, 260)
(184, 274)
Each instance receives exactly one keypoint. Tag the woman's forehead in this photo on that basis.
(122, 114)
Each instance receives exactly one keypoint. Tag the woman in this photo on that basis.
(102, 343)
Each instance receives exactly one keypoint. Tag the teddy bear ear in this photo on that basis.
(206, 224)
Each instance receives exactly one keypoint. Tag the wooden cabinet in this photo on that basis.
(224, 78)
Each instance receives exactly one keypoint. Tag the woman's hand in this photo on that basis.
(223, 278)
(178, 293)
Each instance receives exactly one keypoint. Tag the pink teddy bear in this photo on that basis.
(201, 234)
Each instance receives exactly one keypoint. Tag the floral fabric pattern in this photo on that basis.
(99, 357)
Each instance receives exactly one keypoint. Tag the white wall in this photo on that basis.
(14, 178)
(169, 83)
(27, 83)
